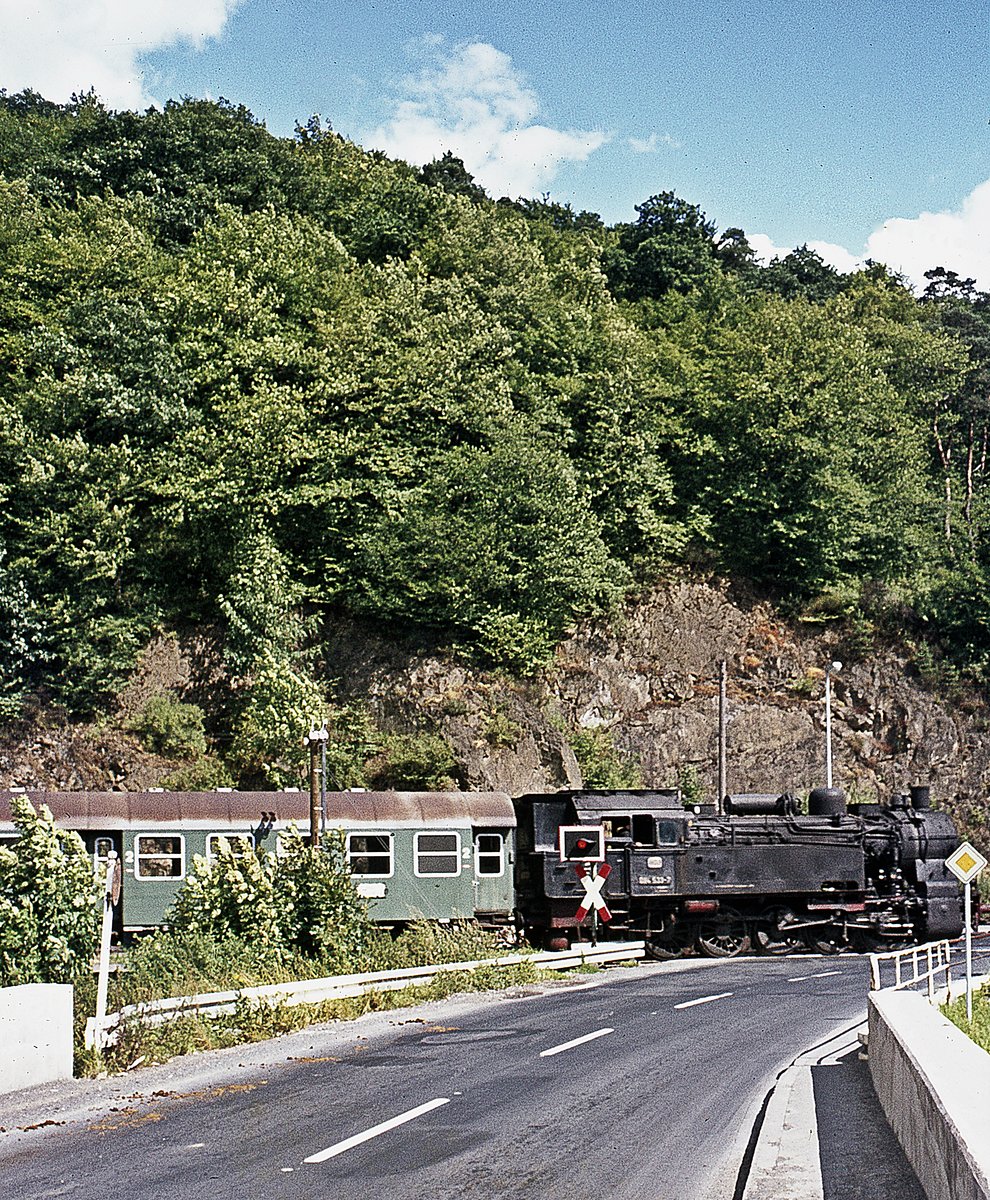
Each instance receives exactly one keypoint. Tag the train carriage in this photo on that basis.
(412, 855)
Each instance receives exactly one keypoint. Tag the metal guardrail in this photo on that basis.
(105, 1031)
(917, 964)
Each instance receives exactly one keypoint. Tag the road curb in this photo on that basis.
(786, 1163)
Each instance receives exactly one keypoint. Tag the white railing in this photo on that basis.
(101, 1032)
(910, 967)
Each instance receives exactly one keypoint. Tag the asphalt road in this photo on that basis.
(477, 1097)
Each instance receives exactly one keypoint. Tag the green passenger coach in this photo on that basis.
(435, 855)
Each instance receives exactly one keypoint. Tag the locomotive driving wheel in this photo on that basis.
(725, 937)
(671, 943)
(829, 939)
(771, 934)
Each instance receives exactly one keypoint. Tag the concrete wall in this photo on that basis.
(934, 1085)
(35, 1035)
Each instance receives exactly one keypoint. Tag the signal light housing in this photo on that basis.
(581, 843)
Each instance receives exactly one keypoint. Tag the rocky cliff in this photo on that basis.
(649, 676)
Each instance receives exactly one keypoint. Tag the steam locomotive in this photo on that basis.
(757, 874)
(753, 872)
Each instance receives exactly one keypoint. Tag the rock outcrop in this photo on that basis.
(648, 675)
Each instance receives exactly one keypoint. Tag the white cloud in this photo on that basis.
(764, 248)
(833, 255)
(652, 144)
(836, 256)
(58, 47)
(473, 102)
(958, 240)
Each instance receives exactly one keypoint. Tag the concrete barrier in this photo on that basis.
(934, 1085)
(35, 1035)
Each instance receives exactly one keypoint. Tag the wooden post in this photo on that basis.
(314, 795)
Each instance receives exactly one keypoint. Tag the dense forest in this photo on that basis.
(255, 382)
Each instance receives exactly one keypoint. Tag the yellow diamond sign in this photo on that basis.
(966, 863)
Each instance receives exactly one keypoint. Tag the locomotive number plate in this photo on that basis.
(655, 880)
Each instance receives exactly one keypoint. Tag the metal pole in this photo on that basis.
(594, 909)
(103, 982)
(828, 726)
(967, 903)
(723, 727)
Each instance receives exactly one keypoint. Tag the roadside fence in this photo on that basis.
(900, 969)
(102, 1032)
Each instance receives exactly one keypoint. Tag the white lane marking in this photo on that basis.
(376, 1131)
(819, 975)
(588, 1037)
(196, 1145)
(703, 1000)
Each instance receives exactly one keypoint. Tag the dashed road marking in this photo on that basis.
(703, 1000)
(588, 1037)
(819, 975)
(376, 1130)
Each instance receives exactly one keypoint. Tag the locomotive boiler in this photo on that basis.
(759, 873)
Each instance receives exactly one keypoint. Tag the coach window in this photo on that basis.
(239, 843)
(157, 857)
(437, 854)
(370, 854)
(101, 852)
(489, 854)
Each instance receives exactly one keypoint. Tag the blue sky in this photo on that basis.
(860, 128)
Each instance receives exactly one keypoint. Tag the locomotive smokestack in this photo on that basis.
(921, 796)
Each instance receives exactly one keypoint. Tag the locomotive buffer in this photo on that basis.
(584, 846)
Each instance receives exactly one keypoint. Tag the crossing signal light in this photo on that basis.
(582, 843)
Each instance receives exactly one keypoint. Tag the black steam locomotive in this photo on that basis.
(757, 874)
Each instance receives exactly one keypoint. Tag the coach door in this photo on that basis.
(492, 871)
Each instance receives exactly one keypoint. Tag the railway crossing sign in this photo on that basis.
(966, 863)
(593, 881)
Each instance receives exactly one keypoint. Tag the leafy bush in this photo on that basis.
(297, 902)
(602, 764)
(203, 775)
(169, 727)
(49, 902)
(413, 762)
(282, 704)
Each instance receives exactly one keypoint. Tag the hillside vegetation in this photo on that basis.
(253, 382)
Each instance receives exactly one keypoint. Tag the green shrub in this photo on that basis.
(280, 707)
(169, 727)
(297, 902)
(50, 904)
(692, 789)
(413, 762)
(204, 775)
(979, 1031)
(602, 764)
(501, 730)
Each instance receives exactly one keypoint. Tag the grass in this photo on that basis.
(173, 964)
(979, 1031)
(258, 1022)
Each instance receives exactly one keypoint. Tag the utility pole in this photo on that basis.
(723, 729)
(316, 739)
(833, 668)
